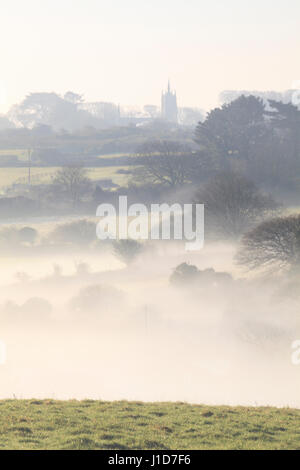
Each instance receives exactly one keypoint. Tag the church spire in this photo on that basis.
(169, 108)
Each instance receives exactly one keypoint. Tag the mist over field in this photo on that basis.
(82, 316)
(135, 335)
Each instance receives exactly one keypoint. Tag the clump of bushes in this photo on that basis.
(95, 298)
(80, 232)
(127, 250)
(35, 308)
(187, 274)
(13, 236)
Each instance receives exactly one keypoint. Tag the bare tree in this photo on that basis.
(73, 182)
(233, 204)
(273, 245)
(165, 162)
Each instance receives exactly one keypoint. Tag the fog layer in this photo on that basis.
(98, 329)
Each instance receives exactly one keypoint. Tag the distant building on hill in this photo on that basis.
(169, 109)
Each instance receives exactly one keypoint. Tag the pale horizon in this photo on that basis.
(126, 53)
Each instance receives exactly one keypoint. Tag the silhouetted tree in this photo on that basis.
(262, 144)
(72, 182)
(273, 245)
(52, 110)
(233, 204)
(286, 119)
(165, 162)
(232, 131)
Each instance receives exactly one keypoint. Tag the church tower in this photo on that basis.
(169, 110)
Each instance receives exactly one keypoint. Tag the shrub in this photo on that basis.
(28, 235)
(127, 250)
(187, 274)
(12, 236)
(80, 232)
(95, 298)
(36, 306)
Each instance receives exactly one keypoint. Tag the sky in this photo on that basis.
(125, 51)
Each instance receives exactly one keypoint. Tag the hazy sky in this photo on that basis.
(124, 51)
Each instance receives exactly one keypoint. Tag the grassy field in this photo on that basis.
(41, 175)
(49, 424)
(20, 153)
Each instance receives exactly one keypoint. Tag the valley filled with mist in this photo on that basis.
(81, 320)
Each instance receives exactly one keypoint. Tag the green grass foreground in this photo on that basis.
(49, 424)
